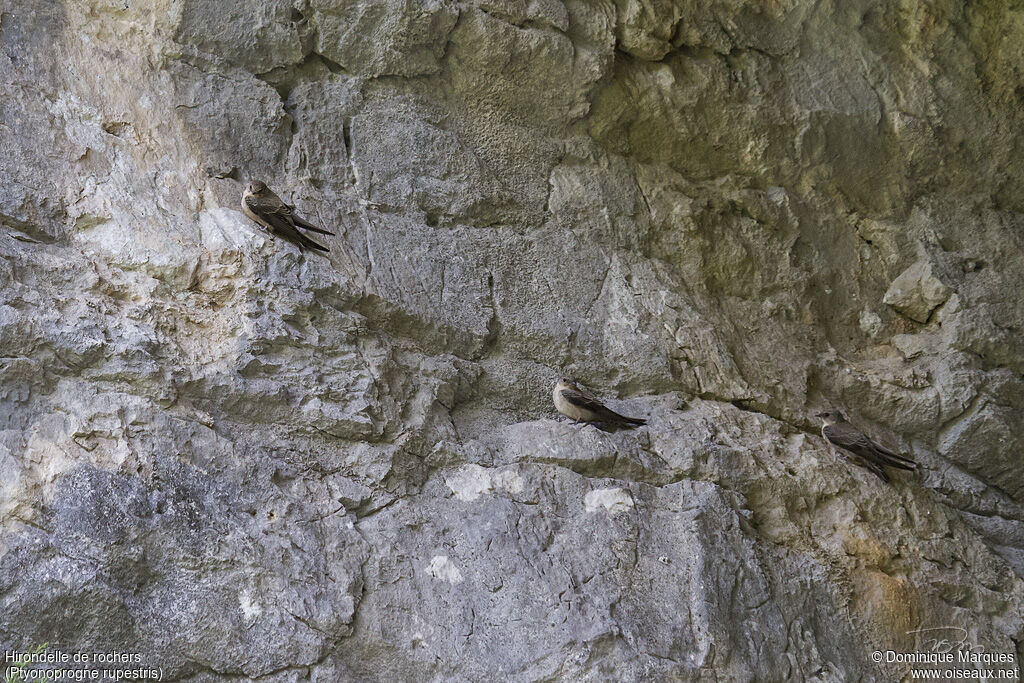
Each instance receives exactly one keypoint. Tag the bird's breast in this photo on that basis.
(249, 212)
(565, 407)
(560, 403)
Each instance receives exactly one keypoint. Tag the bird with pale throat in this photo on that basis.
(576, 403)
(263, 206)
(874, 456)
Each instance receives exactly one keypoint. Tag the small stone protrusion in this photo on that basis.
(916, 292)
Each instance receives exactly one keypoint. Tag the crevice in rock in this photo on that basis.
(494, 327)
(616, 471)
(346, 133)
(332, 66)
(525, 23)
(442, 59)
(283, 79)
(363, 513)
(972, 407)
(747, 406)
(25, 231)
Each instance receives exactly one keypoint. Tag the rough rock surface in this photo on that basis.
(916, 292)
(243, 462)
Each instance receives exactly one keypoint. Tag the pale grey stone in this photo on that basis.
(916, 292)
(381, 38)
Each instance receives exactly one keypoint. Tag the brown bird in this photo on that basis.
(266, 208)
(874, 456)
(574, 402)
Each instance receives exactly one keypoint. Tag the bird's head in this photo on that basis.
(831, 417)
(257, 186)
(567, 380)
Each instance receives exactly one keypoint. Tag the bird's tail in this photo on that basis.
(624, 422)
(311, 244)
(878, 471)
(303, 223)
(892, 459)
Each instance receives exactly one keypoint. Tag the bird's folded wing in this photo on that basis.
(847, 437)
(853, 440)
(279, 218)
(587, 403)
(271, 210)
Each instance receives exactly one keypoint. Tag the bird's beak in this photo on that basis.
(821, 415)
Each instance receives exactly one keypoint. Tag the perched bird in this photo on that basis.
(574, 402)
(266, 208)
(838, 432)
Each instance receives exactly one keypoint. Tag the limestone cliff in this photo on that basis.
(243, 462)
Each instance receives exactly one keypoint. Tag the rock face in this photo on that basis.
(916, 292)
(244, 462)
